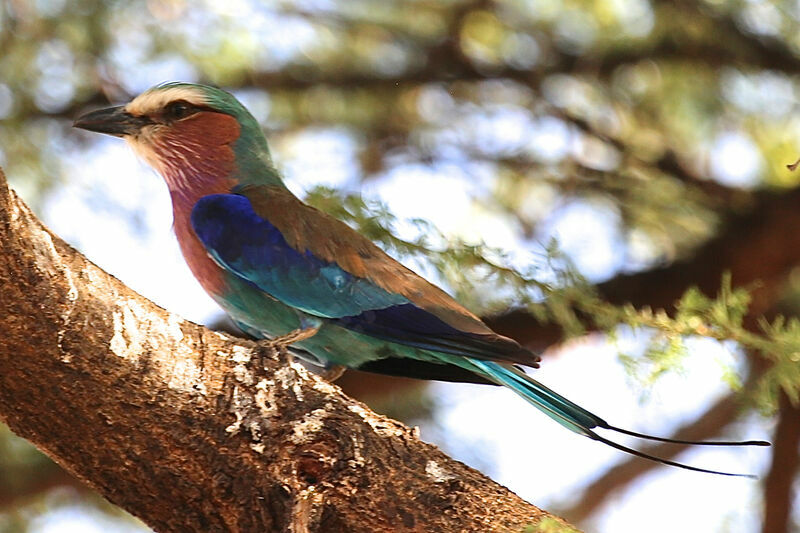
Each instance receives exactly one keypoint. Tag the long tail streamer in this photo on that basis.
(577, 419)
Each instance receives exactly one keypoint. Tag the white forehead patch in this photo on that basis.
(155, 99)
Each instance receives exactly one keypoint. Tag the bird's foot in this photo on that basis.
(266, 349)
(331, 373)
(293, 336)
(280, 344)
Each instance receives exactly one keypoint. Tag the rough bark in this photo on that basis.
(193, 430)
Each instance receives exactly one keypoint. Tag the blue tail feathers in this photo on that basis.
(577, 419)
(569, 414)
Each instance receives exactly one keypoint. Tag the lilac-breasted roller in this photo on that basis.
(277, 265)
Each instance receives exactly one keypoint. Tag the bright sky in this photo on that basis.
(541, 461)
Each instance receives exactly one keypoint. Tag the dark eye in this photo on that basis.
(178, 110)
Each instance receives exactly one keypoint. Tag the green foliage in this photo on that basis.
(720, 318)
(572, 303)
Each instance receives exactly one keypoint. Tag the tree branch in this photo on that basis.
(193, 430)
(779, 485)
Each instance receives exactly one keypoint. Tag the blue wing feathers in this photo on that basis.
(413, 326)
(247, 244)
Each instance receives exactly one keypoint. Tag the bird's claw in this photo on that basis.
(332, 373)
(292, 337)
(280, 344)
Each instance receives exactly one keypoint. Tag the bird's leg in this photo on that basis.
(332, 373)
(281, 343)
(293, 336)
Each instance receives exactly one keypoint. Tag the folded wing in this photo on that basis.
(322, 267)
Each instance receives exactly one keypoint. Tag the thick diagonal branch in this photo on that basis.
(182, 427)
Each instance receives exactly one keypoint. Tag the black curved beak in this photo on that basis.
(113, 121)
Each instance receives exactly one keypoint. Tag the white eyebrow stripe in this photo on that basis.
(155, 99)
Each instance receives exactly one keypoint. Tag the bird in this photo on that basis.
(283, 270)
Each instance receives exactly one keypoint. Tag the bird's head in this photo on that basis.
(191, 134)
